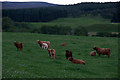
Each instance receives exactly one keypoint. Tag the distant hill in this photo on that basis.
(19, 5)
(107, 10)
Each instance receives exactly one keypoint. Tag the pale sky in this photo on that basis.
(64, 1)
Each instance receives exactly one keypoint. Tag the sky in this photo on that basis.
(64, 2)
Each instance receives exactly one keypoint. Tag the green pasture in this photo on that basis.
(75, 22)
(34, 62)
(92, 24)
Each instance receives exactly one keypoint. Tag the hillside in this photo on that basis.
(21, 5)
(75, 22)
(107, 10)
(92, 24)
(34, 62)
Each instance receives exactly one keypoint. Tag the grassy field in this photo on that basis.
(75, 22)
(34, 62)
(92, 24)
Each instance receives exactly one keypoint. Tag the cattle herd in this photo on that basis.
(46, 45)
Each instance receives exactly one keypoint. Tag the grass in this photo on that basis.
(92, 24)
(75, 22)
(34, 62)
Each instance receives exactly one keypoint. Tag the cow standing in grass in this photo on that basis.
(51, 53)
(43, 44)
(103, 51)
(68, 54)
(18, 45)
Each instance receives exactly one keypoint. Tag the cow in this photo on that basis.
(63, 44)
(68, 54)
(51, 53)
(103, 51)
(93, 53)
(18, 45)
(41, 42)
(44, 46)
(76, 61)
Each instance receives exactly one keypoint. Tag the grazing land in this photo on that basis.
(34, 62)
(91, 23)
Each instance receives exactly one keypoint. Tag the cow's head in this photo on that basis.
(38, 41)
(15, 43)
(70, 59)
(49, 50)
(67, 51)
(94, 47)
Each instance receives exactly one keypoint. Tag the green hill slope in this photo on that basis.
(92, 24)
(75, 22)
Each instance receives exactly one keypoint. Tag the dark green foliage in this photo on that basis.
(35, 14)
(103, 27)
(67, 26)
(81, 31)
(106, 34)
(106, 10)
(103, 34)
(116, 17)
(119, 35)
(7, 24)
(62, 30)
(22, 27)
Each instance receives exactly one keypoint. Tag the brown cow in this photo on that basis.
(51, 53)
(63, 44)
(41, 42)
(76, 61)
(68, 54)
(93, 53)
(18, 45)
(103, 51)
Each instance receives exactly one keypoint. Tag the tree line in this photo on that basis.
(8, 25)
(107, 10)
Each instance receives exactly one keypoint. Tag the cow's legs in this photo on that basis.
(17, 49)
(21, 49)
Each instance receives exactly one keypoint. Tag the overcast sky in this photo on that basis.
(65, 1)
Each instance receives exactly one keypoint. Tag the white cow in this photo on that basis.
(44, 46)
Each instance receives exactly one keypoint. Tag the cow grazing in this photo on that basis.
(18, 45)
(93, 53)
(76, 61)
(103, 51)
(41, 42)
(68, 54)
(44, 46)
(51, 53)
(63, 44)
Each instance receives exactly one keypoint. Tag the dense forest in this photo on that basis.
(107, 10)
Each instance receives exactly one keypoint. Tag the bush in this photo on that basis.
(7, 24)
(55, 30)
(106, 34)
(81, 31)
